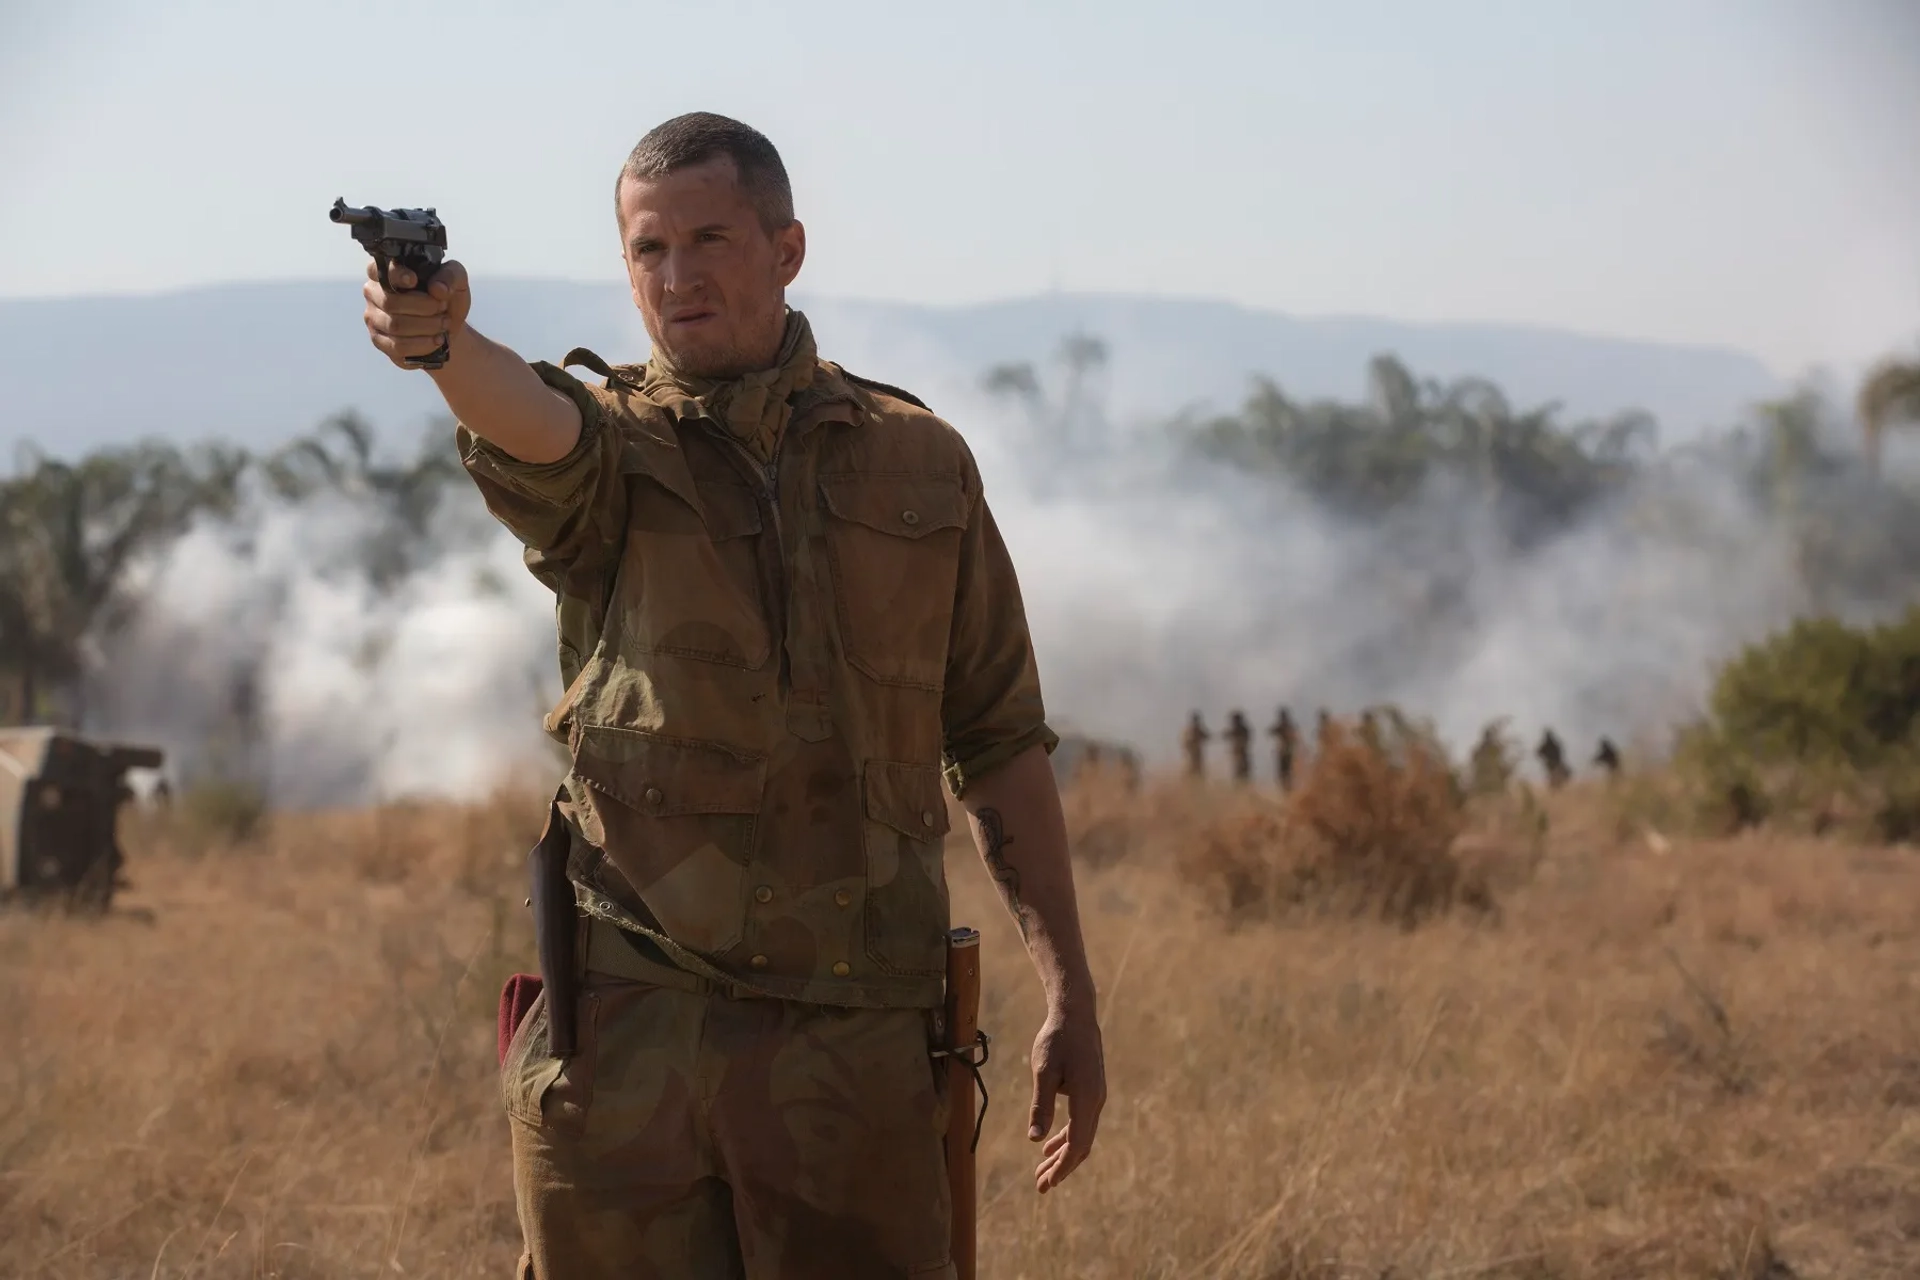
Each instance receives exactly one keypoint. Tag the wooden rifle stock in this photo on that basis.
(964, 1052)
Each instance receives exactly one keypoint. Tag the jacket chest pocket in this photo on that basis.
(690, 587)
(906, 909)
(683, 830)
(894, 544)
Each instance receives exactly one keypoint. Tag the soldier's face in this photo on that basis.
(709, 280)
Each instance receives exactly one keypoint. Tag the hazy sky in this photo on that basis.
(1739, 172)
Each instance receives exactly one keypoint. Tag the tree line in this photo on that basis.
(1804, 466)
(74, 535)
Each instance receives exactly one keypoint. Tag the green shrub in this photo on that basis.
(222, 811)
(1822, 692)
(1817, 725)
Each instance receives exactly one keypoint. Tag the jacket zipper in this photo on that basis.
(780, 559)
(769, 495)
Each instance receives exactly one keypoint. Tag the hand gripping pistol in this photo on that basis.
(414, 238)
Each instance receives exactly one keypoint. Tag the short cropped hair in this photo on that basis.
(700, 136)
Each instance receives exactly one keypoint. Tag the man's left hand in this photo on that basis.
(1067, 1059)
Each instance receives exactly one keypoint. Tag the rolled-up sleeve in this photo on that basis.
(991, 710)
(570, 513)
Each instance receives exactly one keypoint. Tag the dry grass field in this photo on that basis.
(1596, 1052)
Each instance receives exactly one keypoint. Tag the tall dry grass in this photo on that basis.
(1625, 1057)
(1373, 826)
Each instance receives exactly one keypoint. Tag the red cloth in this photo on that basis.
(516, 998)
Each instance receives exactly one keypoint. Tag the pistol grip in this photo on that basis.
(423, 272)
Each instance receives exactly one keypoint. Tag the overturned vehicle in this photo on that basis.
(59, 797)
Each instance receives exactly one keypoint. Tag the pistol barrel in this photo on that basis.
(344, 212)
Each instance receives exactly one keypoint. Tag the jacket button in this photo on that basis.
(654, 796)
(758, 962)
(926, 819)
(910, 517)
(841, 968)
(842, 898)
(763, 894)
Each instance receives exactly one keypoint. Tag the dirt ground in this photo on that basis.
(1648, 1058)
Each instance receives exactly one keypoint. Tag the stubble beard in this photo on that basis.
(723, 357)
(712, 361)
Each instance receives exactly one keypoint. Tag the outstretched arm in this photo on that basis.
(1015, 815)
(490, 390)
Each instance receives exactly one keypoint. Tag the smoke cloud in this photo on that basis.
(340, 657)
(272, 648)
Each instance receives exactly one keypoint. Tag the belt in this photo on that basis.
(608, 950)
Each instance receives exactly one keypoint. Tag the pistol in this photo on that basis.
(414, 238)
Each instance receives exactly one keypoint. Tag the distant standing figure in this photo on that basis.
(1489, 768)
(1089, 761)
(1322, 729)
(1553, 758)
(1239, 735)
(1286, 741)
(1194, 743)
(1370, 730)
(1608, 757)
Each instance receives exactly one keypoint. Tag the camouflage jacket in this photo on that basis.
(767, 669)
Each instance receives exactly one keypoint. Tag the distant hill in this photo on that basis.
(256, 363)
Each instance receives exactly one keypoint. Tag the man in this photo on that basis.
(1370, 731)
(1193, 741)
(1286, 742)
(1325, 731)
(1553, 760)
(1489, 768)
(783, 606)
(1239, 736)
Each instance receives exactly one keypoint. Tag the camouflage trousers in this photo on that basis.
(696, 1136)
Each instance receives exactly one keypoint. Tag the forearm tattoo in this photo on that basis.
(993, 844)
